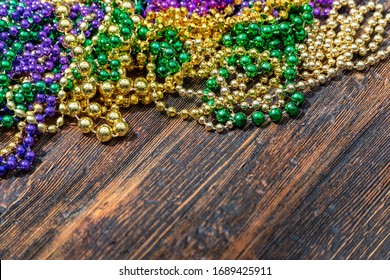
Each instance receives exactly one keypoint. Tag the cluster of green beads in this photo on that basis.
(279, 41)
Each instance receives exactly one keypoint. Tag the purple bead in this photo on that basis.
(3, 171)
(11, 164)
(30, 156)
(25, 165)
(28, 141)
(20, 151)
(31, 129)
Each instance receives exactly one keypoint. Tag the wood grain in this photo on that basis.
(314, 187)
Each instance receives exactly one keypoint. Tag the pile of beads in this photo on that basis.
(30, 83)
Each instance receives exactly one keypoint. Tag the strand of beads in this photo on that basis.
(347, 41)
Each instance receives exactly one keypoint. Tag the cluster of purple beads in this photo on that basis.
(35, 62)
(200, 7)
(321, 8)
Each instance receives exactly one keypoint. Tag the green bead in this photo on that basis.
(5, 65)
(102, 59)
(259, 42)
(238, 28)
(289, 40)
(162, 71)
(115, 64)
(297, 98)
(253, 29)
(227, 40)
(173, 66)
(297, 21)
(232, 60)
(21, 107)
(115, 76)
(284, 28)
(276, 53)
(242, 39)
(18, 47)
(178, 46)
(251, 71)
(245, 60)
(128, 23)
(125, 32)
(168, 53)
(212, 84)
(115, 41)
(266, 67)
(4, 80)
(40, 86)
(308, 17)
(291, 109)
(239, 120)
(290, 50)
(224, 73)
(223, 116)
(76, 74)
(307, 8)
(3, 25)
(18, 97)
(300, 35)
(26, 87)
(10, 55)
(55, 88)
(142, 32)
(275, 114)
(23, 35)
(69, 85)
(170, 34)
(266, 31)
(274, 44)
(183, 57)
(103, 75)
(292, 60)
(155, 47)
(290, 73)
(258, 118)
(7, 121)
(275, 30)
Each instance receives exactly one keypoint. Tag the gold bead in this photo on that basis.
(84, 68)
(104, 133)
(171, 112)
(73, 108)
(106, 88)
(42, 127)
(88, 90)
(141, 86)
(124, 85)
(60, 122)
(113, 116)
(85, 124)
(120, 127)
(52, 128)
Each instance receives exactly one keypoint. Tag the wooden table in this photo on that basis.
(314, 187)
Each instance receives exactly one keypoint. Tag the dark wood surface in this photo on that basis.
(314, 187)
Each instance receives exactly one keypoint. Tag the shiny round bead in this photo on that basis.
(222, 116)
(120, 127)
(291, 109)
(239, 120)
(297, 98)
(258, 118)
(85, 124)
(104, 133)
(275, 114)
